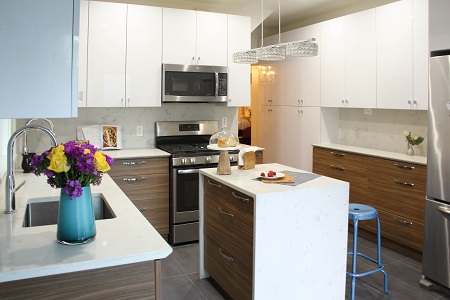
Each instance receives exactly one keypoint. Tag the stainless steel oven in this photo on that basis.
(186, 141)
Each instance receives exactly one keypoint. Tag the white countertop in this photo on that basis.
(34, 252)
(136, 153)
(421, 160)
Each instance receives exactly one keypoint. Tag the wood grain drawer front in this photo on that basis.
(405, 172)
(229, 197)
(138, 166)
(404, 231)
(228, 226)
(398, 195)
(232, 276)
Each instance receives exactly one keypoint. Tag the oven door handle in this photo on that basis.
(189, 171)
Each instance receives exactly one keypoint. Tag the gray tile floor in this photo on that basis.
(180, 278)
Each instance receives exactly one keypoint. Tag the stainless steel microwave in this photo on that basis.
(194, 83)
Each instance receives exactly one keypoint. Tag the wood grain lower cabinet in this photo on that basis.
(229, 238)
(146, 183)
(396, 189)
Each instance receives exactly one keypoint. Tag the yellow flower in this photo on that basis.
(55, 151)
(100, 162)
(58, 163)
(87, 151)
(415, 138)
(406, 132)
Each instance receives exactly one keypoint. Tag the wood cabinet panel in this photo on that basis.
(224, 224)
(229, 273)
(146, 183)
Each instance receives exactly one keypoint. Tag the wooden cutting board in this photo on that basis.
(286, 179)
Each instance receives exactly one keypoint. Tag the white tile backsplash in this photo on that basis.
(129, 118)
(383, 130)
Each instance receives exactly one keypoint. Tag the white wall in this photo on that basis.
(129, 118)
(383, 130)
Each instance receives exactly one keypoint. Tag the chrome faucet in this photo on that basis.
(10, 188)
(25, 146)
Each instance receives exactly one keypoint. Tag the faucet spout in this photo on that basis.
(25, 140)
(10, 188)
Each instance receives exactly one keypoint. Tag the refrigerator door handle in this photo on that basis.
(444, 210)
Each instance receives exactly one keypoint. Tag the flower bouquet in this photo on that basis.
(413, 140)
(71, 166)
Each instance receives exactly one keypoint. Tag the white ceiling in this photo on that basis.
(294, 13)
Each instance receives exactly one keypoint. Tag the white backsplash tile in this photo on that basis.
(129, 118)
(383, 130)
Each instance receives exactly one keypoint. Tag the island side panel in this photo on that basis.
(201, 240)
(300, 243)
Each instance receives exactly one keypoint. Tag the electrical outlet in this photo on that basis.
(224, 121)
(367, 111)
(139, 130)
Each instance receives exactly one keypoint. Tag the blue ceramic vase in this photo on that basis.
(76, 220)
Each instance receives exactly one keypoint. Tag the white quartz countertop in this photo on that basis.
(34, 252)
(247, 182)
(421, 160)
(136, 153)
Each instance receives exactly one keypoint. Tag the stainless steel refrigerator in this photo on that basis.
(436, 254)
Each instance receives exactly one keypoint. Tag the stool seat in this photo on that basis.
(361, 212)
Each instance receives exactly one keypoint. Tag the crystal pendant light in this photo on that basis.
(275, 52)
(302, 48)
(245, 57)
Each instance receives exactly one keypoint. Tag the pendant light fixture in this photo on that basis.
(278, 51)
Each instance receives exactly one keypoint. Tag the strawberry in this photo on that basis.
(270, 173)
(274, 173)
(262, 174)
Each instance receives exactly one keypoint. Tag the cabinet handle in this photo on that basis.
(193, 60)
(198, 60)
(444, 209)
(404, 167)
(129, 163)
(240, 198)
(225, 213)
(142, 209)
(214, 184)
(230, 259)
(128, 101)
(258, 154)
(337, 154)
(337, 168)
(403, 183)
(401, 221)
(133, 179)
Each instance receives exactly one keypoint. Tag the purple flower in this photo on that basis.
(73, 188)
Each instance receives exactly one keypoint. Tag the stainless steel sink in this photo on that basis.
(44, 211)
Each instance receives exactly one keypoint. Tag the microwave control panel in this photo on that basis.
(222, 84)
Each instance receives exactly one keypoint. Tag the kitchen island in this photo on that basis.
(31, 254)
(271, 240)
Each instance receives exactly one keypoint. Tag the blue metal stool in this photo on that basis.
(359, 212)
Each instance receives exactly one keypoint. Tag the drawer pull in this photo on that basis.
(142, 209)
(403, 183)
(337, 154)
(404, 167)
(444, 209)
(230, 259)
(129, 163)
(214, 184)
(240, 198)
(133, 179)
(225, 213)
(258, 154)
(401, 221)
(337, 168)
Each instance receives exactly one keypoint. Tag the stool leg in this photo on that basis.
(355, 255)
(379, 255)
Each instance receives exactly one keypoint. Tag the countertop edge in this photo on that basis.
(421, 160)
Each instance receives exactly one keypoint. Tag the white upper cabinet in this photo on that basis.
(39, 58)
(144, 52)
(82, 53)
(332, 69)
(191, 37)
(238, 74)
(124, 61)
(402, 55)
(106, 54)
(360, 59)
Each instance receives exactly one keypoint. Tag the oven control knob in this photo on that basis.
(183, 161)
(231, 157)
(208, 159)
(192, 160)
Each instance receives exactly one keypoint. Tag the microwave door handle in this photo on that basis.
(217, 84)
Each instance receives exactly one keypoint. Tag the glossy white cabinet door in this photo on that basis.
(332, 70)
(278, 133)
(264, 132)
(293, 71)
(143, 59)
(310, 135)
(310, 69)
(211, 47)
(106, 54)
(82, 56)
(420, 54)
(293, 146)
(39, 58)
(179, 36)
(394, 55)
(360, 53)
(238, 74)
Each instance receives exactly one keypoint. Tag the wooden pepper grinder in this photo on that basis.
(224, 167)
